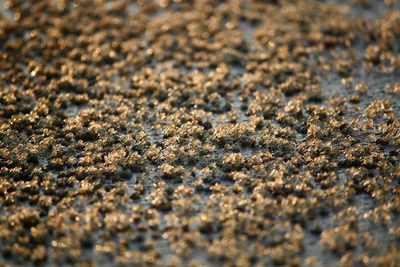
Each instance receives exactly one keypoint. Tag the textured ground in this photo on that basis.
(200, 133)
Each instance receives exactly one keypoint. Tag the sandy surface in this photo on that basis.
(200, 133)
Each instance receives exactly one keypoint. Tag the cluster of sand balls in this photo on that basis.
(200, 133)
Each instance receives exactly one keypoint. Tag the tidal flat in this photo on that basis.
(200, 133)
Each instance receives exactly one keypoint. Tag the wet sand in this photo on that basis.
(200, 133)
